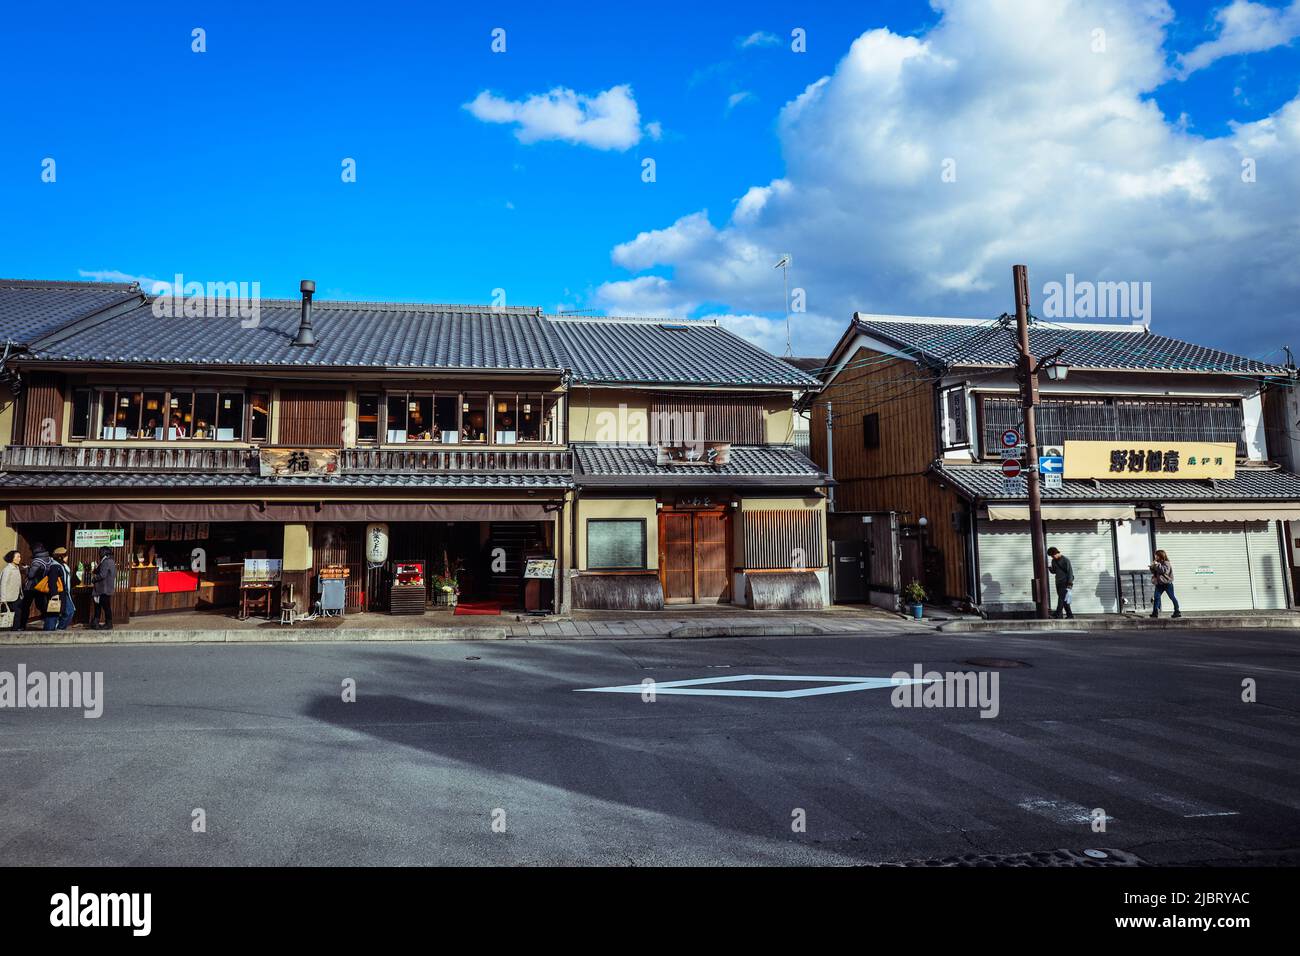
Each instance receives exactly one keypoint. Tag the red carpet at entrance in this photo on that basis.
(478, 607)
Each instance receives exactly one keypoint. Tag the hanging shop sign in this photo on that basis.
(1150, 459)
(376, 542)
(298, 462)
(99, 538)
(697, 454)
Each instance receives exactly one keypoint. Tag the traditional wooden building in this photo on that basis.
(199, 438)
(1162, 445)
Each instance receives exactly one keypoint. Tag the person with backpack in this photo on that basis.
(104, 583)
(39, 585)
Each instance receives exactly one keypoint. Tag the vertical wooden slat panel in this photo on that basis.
(736, 419)
(775, 538)
(42, 410)
(312, 418)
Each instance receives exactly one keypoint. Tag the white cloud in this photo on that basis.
(1245, 27)
(1062, 158)
(607, 120)
(735, 99)
(758, 38)
(112, 275)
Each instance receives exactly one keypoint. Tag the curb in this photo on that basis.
(749, 630)
(342, 636)
(259, 636)
(1126, 623)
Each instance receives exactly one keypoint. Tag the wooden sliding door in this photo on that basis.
(695, 556)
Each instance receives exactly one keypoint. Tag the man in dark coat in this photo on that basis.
(1063, 571)
(104, 583)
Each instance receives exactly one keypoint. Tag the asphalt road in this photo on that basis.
(442, 737)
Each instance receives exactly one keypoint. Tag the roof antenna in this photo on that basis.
(305, 336)
(784, 265)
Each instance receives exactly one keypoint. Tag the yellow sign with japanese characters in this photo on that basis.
(1150, 459)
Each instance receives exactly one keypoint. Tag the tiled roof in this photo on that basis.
(30, 309)
(34, 481)
(668, 352)
(382, 335)
(750, 465)
(396, 335)
(1250, 484)
(985, 342)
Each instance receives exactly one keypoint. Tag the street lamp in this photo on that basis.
(1057, 372)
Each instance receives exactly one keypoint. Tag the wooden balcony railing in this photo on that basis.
(364, 461)
(160, 458)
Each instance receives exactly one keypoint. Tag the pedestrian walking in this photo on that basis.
(104, 583)
(1063, 571)
(12, 591)
(1162, 576)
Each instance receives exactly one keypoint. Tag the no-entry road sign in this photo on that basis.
(1011, 468)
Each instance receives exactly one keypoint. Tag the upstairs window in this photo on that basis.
(167, 414)
(956, 433)
(367, 417)
(871, 430)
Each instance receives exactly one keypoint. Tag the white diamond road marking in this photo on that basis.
(699, 688)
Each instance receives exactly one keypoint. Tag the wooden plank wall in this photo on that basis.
(42, 420)
(737, 419)
(312, 418)
(893, 476)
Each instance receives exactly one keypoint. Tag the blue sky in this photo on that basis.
(225, 165)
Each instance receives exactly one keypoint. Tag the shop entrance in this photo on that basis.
(484, 559)
(695, 556)
(161, 566)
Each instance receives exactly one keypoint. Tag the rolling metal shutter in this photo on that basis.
(1006, 566)
(1211, 566)
(1267, 569)
(1090, 546)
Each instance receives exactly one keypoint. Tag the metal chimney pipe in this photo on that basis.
(305, 336)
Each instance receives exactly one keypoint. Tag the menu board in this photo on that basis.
(262, 570)
(539, 568)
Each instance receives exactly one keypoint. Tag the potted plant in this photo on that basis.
(446, 589)
(446, 586)
(914, 596)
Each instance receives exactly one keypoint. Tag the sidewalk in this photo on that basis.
(689, 622)
(1192, 621)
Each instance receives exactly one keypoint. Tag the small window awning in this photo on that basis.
(1231, 511)
(1055, 512)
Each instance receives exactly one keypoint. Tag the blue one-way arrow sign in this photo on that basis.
(1051, 464)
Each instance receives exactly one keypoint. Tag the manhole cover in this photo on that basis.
(998, 662)
(1095, 854)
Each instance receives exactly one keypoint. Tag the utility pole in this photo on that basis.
(830, 457)
(1028, 376)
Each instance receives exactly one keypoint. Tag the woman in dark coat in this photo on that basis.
(104, 583)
